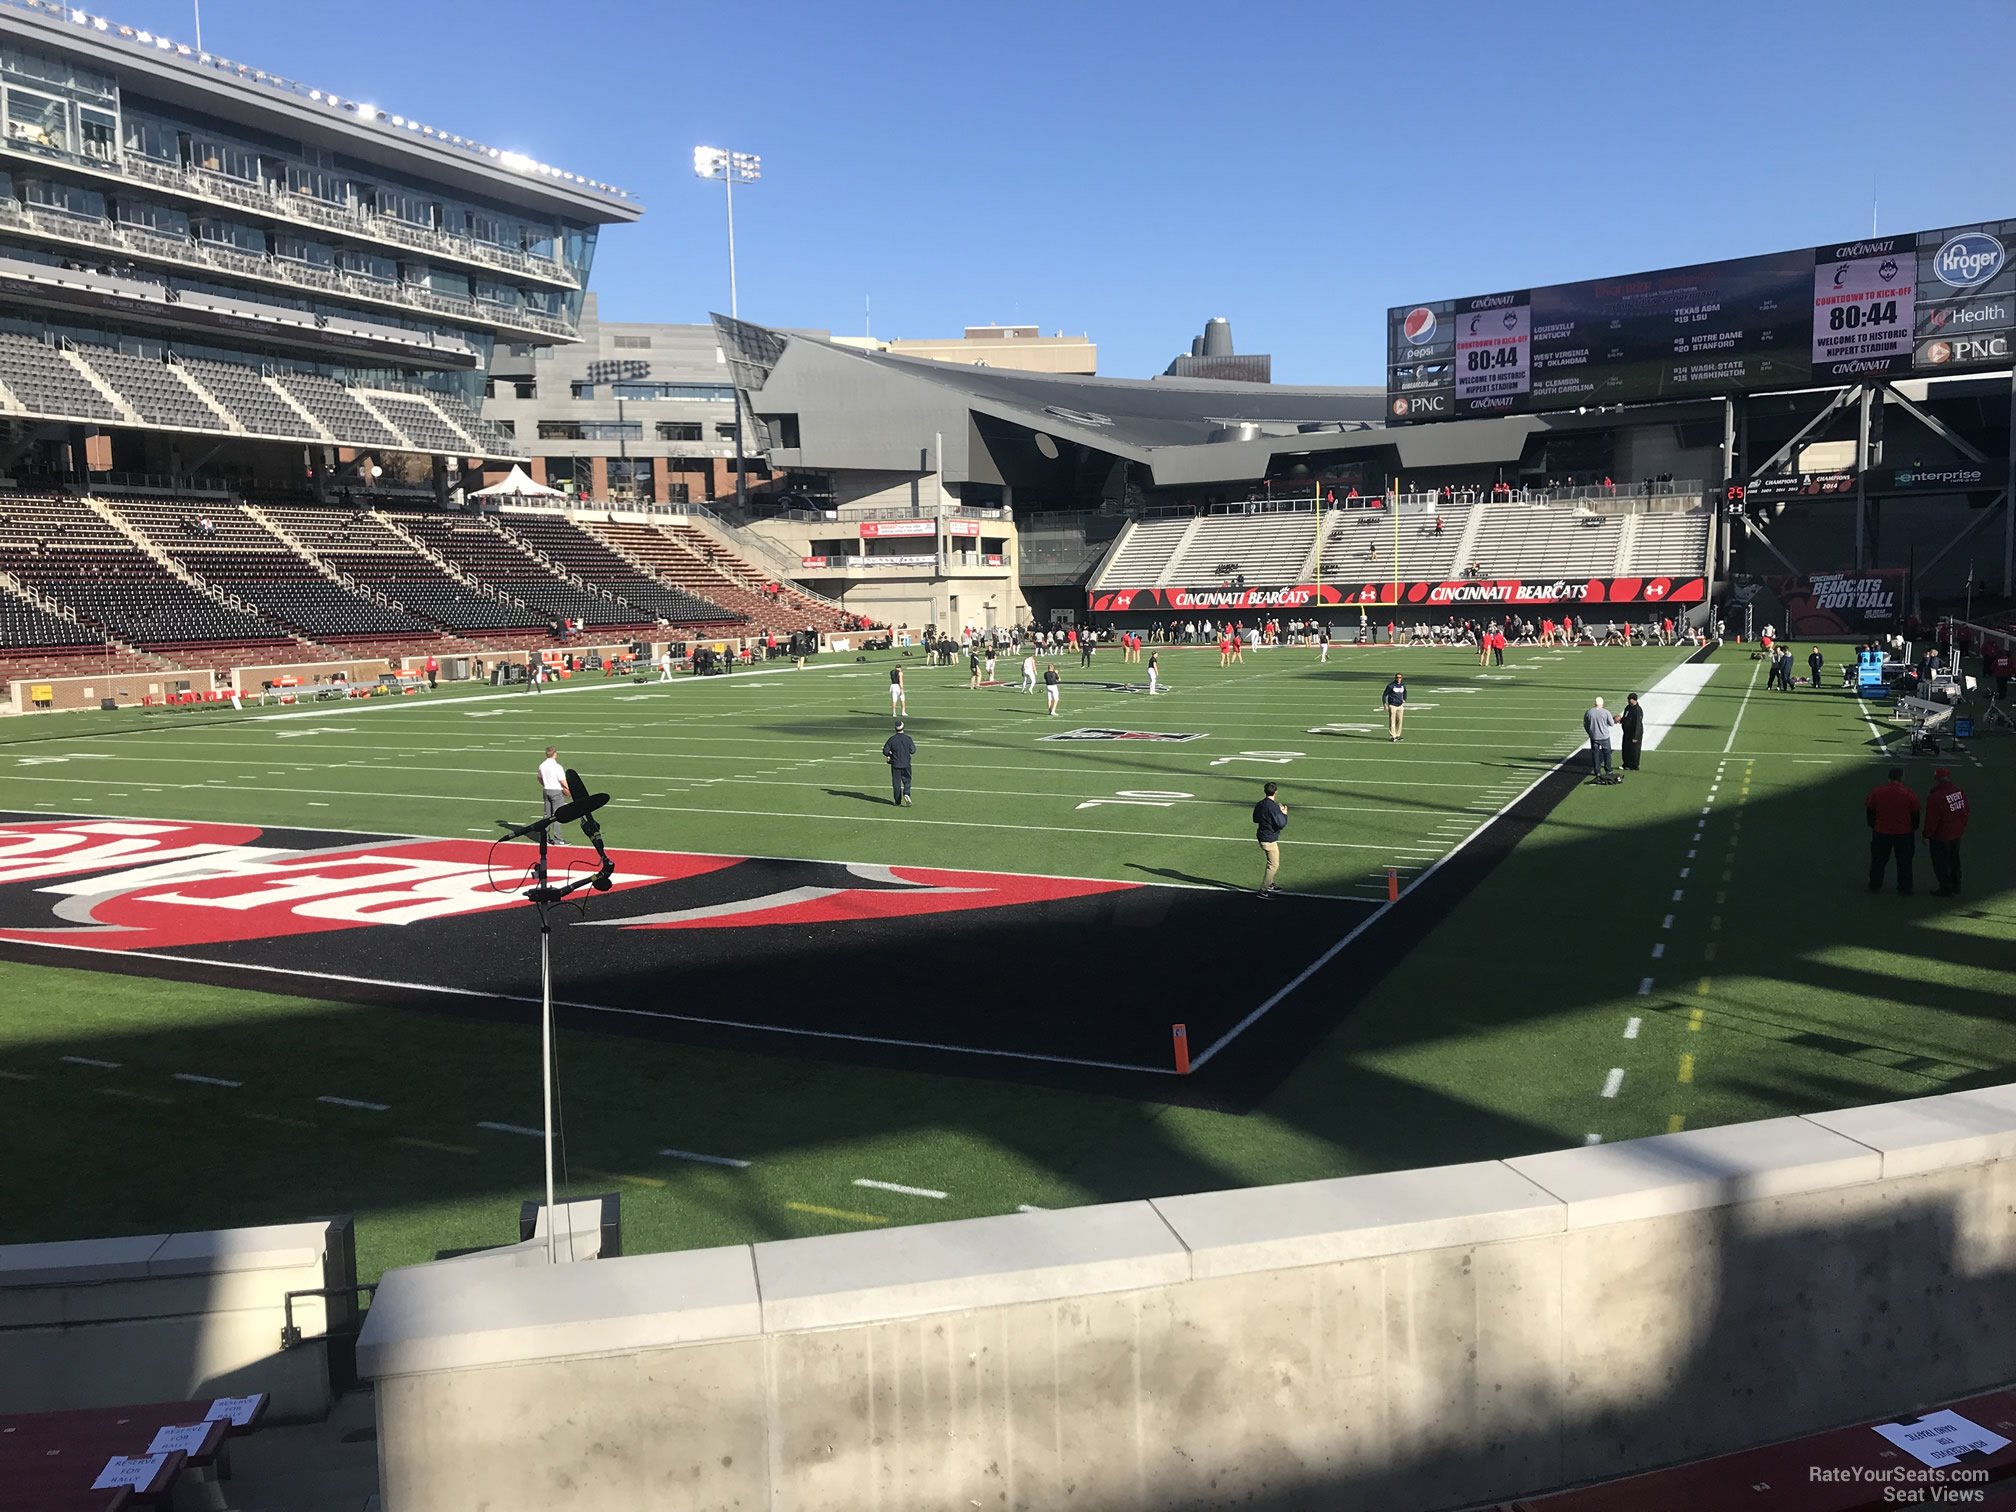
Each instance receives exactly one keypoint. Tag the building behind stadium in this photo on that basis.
(209, 270)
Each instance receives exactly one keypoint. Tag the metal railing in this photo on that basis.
(154, 245)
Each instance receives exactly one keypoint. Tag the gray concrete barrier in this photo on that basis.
(1416, 1339)
(168, 1317)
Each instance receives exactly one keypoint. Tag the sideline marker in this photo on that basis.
(1392, 884)
(1180, 1033)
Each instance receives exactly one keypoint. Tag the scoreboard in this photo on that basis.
(1925, 302)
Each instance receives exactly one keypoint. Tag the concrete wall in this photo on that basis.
(1417, 1339)
(168, 1317)
(127, 689)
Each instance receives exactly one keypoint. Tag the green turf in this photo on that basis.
(1497, 1036)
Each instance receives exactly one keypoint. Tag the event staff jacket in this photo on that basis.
(1269, 819)
(1396, 694)
(1945, 811)
(899, 748)
(1893, 809)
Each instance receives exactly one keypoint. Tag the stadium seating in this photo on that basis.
(363, 548)
(562, 541)
(490, 441)
(497, 561)
(1667, 545)
(1360, 543)
(427, 430)
(701, 565)
(1535, 540)
(1505, 539)
(248, 398)
(1145, 551)
(43, 380)
(153, 390)
(336, 409)
(1262, 548)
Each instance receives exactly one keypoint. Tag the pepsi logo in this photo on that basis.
(1968, 260)
(1419, 326)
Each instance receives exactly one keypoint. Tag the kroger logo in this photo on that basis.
(1968, 260)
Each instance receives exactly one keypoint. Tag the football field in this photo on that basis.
(292, 935)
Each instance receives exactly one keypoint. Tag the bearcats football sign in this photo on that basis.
(1451, 593)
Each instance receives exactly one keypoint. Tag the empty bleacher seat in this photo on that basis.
(249, 397)
(426, 429)
(1669, 545)
(336, 409)
(151, 389)
(45, 383)
(562, 541)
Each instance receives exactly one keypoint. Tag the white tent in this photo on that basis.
(517, 485)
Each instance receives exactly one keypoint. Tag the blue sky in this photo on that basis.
(1128, 170)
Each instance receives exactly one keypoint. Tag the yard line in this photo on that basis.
(1592, 1139)
(1644, 986)
(353, 1102)
(827, 1212)
(1024, 1207)
(907, 1191)
(719, 1160)
(85, 1060)
(1658, 952)
(1631, 1028)
(206, 1081)
(1730, 744)
(504, 1128)
(433, 1144)
(1614, 1082)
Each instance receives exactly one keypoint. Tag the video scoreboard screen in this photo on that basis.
(1925, 302)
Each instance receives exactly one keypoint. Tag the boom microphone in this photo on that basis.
(516, 831)
(582, 803)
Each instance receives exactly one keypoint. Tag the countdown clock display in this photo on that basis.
(1927, 302)
(1864, 308)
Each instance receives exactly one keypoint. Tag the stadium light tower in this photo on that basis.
(731, 168)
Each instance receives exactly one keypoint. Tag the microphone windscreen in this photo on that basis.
(576, 787)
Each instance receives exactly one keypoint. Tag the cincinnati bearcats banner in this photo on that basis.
(816, 950)
(1855, 601)
(1451, 593)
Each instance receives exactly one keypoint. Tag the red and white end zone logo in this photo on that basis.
(133, 885)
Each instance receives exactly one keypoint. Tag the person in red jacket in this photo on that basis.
(1892, 810)
(1945, 823)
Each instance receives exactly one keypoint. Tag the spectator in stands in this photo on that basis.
(1892, 812)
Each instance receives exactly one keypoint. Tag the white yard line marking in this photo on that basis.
(1644, 986)
(1592, 1139)
(354, 1102)
(1658, 952)
(1667, 923)
(1614, 1082)
(1730, 744)
(206, 1081)
(85, 1060)
(504, 1128)
(719, 1160)
(1024, 1207)
(1631, 1027)
(906, 1191)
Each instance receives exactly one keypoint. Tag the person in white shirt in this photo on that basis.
(552, 781)
(665, 665)
(1028, 674)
